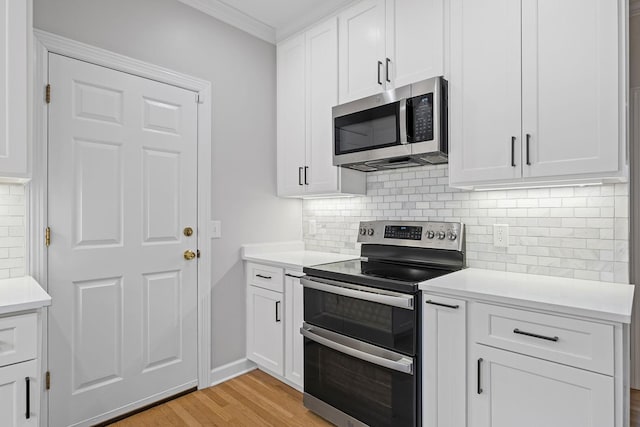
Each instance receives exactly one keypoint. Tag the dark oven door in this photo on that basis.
(373, 385)
(382, 318)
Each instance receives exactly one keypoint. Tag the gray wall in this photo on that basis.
(243, 73)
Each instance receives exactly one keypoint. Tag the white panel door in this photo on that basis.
(485, 91)
(13, 395)
(291, 116)
(13, 87)
(362, 50)
(415, 40)
(571, 104)
(322, 95)
(516, 390)
(294, 342)
(444, 353)
(265, 333)
(122, 186)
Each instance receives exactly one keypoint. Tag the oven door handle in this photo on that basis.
(338, 288)
(358, 349)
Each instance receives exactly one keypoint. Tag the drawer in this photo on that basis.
(578, 343)
(265, 276)
(18, 338)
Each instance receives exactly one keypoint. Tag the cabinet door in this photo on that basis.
(415, 40)
(444, 362)
(14, 25)
(570, 81)
(265, 332)
(294, 342)
(13, 395)
(485, 91)
(291, 116)
(517, 390)
(322, 95)
(362, 50)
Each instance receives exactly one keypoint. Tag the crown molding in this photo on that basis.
(634, 7)
(234, 17)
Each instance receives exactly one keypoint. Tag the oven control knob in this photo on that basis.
(441, 235)
(370, 232)
(363, 231)
(452, 235)
(431, 234)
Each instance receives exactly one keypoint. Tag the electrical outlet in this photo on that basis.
(313, 227)
(501, 235)
(215, 230)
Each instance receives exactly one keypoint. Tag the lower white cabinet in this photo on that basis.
(443, 361)
(294, 317)
(265, 331)
(19, 394)
(517, 390)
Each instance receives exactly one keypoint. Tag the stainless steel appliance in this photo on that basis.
(407, 126)
(362, 323)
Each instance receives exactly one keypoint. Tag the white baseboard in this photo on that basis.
(231, 370)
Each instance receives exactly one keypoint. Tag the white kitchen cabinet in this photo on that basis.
(389, 43)
(307, 90)
(517, 390)
(444, 360)
(265, 330)
(537, 92)
(294, 317)
(19, 395)
(15, 19)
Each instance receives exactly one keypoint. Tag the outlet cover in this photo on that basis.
(215, 229)
(501, 235)
(313, 227)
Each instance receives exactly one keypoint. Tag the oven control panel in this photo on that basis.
(427, 234)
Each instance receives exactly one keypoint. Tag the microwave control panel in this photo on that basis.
(420, 118)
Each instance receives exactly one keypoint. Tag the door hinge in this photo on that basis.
(47, 94)
(47, 236)
(47, 380)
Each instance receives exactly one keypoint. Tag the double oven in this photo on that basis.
(362, 324)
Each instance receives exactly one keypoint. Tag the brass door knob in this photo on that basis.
(189, 255)
(188, 231)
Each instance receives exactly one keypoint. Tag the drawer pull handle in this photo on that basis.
(479, 375)
(439, 304)
(263, 277)
(27, 381)
(293, 275)
(529, 334)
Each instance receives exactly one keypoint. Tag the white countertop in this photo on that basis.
(289, 255)
(20, 294)
(599, 300)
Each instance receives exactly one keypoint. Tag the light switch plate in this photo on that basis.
(215, 230)
(501, 235)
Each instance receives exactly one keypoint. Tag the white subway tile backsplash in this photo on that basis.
(12, 231)
(580, 232)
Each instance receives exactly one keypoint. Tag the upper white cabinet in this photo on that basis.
(15, 24)
(307, 90)
(537, 91)
(389, 43)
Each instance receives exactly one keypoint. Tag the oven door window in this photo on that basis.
(375, 395)
(366, 130)
(378, 324)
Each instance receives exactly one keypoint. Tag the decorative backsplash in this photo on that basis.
(12, 231)
(579, 232)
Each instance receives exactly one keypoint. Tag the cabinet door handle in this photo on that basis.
(479, 375)
(293, 275)
(263, 277)
(387, 66)
(530, 334)
(27, 381)
(528, 142)
(513, 151)
(379, 65)
(441, 304)
(300, 175)
(278, 311)
(306, 169)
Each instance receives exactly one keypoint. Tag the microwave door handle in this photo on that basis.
(403, 121)
(358, 349)
(403, 301)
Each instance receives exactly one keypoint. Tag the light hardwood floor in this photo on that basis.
(254, 399)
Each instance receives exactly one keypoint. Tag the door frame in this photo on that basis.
(45, 43)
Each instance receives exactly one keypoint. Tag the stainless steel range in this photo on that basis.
(362, 323)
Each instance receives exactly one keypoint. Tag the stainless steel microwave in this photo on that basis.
(407, 126)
